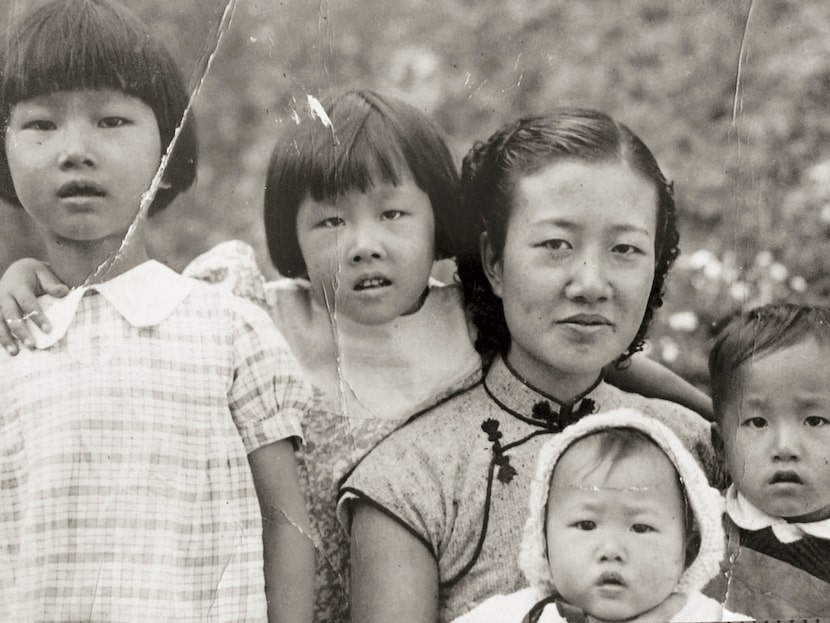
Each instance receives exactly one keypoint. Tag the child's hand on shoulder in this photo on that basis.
(21, 284)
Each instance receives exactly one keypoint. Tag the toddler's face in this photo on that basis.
(80, 160)
(776, 432)
(369, 255)
(615, 530)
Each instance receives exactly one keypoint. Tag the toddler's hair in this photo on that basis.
(74, 45)
(373, 139)
(616, 444)
(492, 169)
(759, 332)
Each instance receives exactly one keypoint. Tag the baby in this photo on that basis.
(623, 526)
(771, 387)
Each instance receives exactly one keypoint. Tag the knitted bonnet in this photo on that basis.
(705, 501)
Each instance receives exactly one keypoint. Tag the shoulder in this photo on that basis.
(231, 266)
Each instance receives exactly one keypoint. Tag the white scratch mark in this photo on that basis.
(150, 194)
(742, 55)
(317, 111)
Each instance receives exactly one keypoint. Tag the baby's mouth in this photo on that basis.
(371, 283)
(786, 477)
(80, 189)
(611, 579)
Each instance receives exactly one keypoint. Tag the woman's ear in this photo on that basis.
(491, 261)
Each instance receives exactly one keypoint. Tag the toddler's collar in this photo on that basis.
(144, 296)
(747, 516)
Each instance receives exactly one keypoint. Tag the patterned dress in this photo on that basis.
(368, 381)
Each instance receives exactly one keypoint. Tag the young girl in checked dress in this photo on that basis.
(356, 213)
(135, 438)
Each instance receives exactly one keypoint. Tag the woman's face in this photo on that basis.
(576, 270)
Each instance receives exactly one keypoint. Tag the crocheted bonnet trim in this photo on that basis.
(706, 502)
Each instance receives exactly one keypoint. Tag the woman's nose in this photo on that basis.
(588, 280)
(75, 148)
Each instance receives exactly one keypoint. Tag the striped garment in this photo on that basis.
(125, 490)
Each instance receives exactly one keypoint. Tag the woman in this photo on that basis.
(578, 236)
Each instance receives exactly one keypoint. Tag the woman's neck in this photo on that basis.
(77, 262)
(563, 386)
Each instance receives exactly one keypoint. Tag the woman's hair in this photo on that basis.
(74, 45)
(492, 169)
(616, 444)
(758, 332)
(372, 139)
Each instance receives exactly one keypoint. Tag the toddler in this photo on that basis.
(771, 388)
(622, 526)
(146, 446)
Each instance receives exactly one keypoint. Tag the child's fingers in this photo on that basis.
(49, 284)
(7, 341)
(13, 309)
(31, 309)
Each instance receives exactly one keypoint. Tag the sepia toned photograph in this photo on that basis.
(303, 303)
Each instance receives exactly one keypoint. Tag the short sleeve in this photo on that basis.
(268, 396)
(406, 481)
(232, 266)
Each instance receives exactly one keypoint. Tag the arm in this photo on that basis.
(22, 282)
(393, 573)
(648, 378)
(287, 546)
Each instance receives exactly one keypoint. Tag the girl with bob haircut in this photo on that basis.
(146, 442)
(91, 45)
(577, 232)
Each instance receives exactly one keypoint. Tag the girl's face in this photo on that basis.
(369, 255)
(615, 530)
(576, 270)
(80, 160)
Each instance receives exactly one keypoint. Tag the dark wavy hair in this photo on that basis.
(372, 139)
(72, 45)
(490, 173)
(761, 331)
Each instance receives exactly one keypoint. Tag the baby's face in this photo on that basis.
(776, 432)
(615, 530)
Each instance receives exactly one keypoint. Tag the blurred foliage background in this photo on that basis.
(750, 158)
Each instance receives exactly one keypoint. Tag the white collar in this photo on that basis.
(747, 516)
(144, 296)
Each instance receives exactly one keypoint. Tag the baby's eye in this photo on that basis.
(755, 422)
(41, 125)
(585, 524)
(112, 122)
(556, 244)
(331, 222)
(392, 215)
(815, 421)
(627, 249)
(642, 528)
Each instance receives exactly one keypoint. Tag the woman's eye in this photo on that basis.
(642, 528)
(112, 122)
(755, 422)
(556, 244)
(391, 215)
(41, 125)
(585, 524)
(815, 421)
(627, 249)
(331, 222)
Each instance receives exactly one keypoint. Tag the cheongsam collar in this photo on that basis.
(521, 399)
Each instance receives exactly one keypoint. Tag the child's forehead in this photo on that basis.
(92, 97)
(582, 467)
